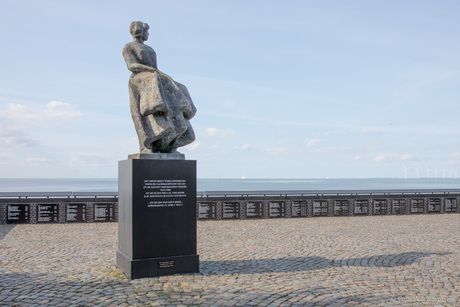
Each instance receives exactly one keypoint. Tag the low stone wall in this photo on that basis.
(217, 208)
(58, 210)
(94, 209)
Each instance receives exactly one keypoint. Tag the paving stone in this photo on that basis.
(330, 261)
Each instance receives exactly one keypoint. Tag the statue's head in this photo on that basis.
(139, 29)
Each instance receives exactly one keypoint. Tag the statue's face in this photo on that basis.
(145, 35)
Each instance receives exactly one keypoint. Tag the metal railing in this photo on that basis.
(70, 194)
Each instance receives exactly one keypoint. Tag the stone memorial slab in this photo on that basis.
(207, 210)
(417, 205)
(341, 207)
(299, 208)
(231, 210)
(434, 205)
(320, 208)
(47, 213)
(399, 206)
(75, 213)
(361, 207)
(451, 205)
(276, 209)
(17, 213)
(254, 209)
(103, 212)
(380, 206)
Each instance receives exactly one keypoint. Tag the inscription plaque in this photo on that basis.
(434, 205)
(254, 209)
(17, 214)
(103, 212)
(47, 213)
(75, 213)
(165, 193)
(276, 209)
(320, 208)
(207, 211)
(361, 207)
(416, 205)
(166, 264)
(341, 207)
(380, 206)
(231, 210)
(451, 205)
(399, 206)
(299, 209)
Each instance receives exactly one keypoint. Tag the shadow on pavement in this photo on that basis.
(301, 264)
(5, 229)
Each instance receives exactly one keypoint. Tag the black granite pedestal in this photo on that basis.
(157, 217)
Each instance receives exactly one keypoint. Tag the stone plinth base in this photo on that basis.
(158, 156)
(157, 217)
(151, 267)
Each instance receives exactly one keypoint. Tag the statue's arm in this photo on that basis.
(132, 62)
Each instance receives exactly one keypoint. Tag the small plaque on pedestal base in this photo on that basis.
(157, 217)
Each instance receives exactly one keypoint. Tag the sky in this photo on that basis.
(284, 89)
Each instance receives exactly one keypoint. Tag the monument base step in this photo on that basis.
(154, 267)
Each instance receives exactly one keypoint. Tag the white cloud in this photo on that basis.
(37, 161)
(20, 115)
(313, 142)
(61, 110)
(214, 132)
(87, 159)
(193, 146)
(454, 159)
(245, 146)
(18, 121)
(276, 150)
(385, 157)
(15, 138)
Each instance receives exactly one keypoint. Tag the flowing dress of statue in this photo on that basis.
(161, 107)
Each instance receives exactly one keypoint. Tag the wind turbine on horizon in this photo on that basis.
(417, 168)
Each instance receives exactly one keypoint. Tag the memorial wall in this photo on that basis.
(96, 210)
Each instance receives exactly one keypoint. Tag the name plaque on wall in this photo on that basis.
(451, 205)
(103, 212)
(341, 207)
(361, 207)
(434, 205)
(380, 207)
(75, 213)
(276, 209)
(399, 206)
(254, 209)
(17, 214)
(47, 213)
(299, 209)
(207, 211)
(320, 208)
(417, 205)
(231, 210)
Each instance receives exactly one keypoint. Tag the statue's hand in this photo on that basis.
(137, 67)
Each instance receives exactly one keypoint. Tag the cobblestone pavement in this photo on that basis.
(332, 261)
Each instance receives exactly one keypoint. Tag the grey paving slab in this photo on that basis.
(332, 261)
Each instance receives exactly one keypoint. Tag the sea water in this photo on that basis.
(111, 184)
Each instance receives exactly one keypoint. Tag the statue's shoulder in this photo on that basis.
(130, 46)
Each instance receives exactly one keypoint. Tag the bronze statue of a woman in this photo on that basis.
(161, 107)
